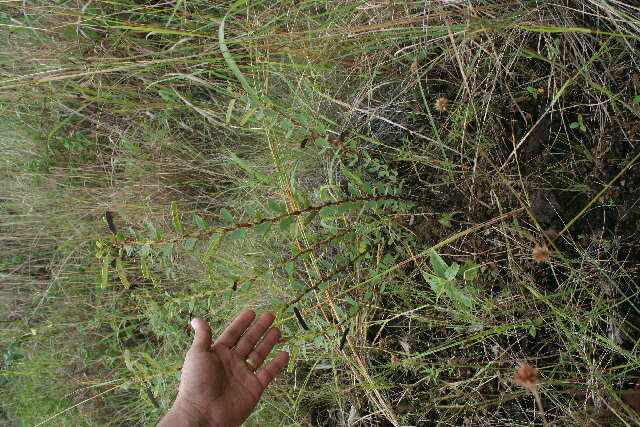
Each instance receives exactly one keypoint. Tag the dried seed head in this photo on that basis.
(108, 215)
(441, 104)
(301, 321)
(527, 377)
(541, 253)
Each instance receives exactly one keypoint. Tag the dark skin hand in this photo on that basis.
(221, 383)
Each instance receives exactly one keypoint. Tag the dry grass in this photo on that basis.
(505, 130)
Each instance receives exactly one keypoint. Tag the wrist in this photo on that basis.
(182, 416)
(191, 415)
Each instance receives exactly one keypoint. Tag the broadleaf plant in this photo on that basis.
(445, 284)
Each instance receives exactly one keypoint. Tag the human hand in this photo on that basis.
(222, 383)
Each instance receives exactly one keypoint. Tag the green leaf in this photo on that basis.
(286, 222)
(352, 177)
(155, 234)
(438, 264)
(121, 273)
(350, 300)
(298, 286)
(435, 283)
(574, 125)
(144, 251)
(104, 273)
(277, 207)
(451, 271)
(264, 227)
(214, 240)
(200, 223)
(326, 264)
(190, 243)
(286, 124)
(325, 193)
(250, 211)
(226, 215)
(343, 207)
(239, 233)
(167, 250)
(144, 268)
(327, 211)
(289, 267)
(175, 213)
(371, 204)
(152, 362)
(310, 217)
(467, 301)
(232, 64)
(532, 331)
(459, 297)
(321, 142)
(636, 99)
(445, 219)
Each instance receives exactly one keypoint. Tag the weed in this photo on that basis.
(578, 124)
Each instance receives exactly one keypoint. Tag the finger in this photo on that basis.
(235, 330)
(265, 346)
(254, 333)
(273, 368)
(202, 338)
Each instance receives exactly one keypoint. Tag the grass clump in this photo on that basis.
(428, 194)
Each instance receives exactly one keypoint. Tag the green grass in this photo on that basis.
(279, 154)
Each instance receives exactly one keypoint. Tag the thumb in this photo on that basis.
(202, 338)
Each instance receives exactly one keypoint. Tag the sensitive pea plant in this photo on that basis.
(426, 193)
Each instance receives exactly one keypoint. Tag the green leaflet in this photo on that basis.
(239, 233)
(175, 213)
(226, 215)
(200, 223)
(214, 240)
(121, 273)
(104, 273)
(190, 243)
(438, 264)
(286, 222)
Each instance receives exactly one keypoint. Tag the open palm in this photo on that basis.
(222, 383)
